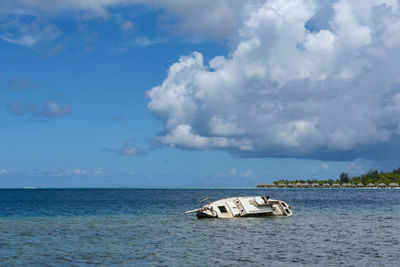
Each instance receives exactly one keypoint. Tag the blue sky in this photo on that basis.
(179, 94)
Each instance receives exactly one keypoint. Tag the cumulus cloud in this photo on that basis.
(204, 19)
(289, 89)
(51, 109)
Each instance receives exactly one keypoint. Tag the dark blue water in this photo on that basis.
(147, 227)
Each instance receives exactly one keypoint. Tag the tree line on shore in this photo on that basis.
(373, 178)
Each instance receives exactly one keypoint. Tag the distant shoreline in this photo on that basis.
(333, 186)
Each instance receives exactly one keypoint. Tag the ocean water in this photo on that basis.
(147, 227)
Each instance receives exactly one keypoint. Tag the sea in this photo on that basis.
(148, 227)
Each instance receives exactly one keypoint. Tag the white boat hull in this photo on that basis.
(254, 206)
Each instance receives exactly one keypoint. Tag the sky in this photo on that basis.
(184, 93)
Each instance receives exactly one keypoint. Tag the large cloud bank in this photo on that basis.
(305, 79)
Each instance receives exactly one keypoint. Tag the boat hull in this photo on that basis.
(254, 206)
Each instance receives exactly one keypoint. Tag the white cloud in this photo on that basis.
(17, 31)
(324, 165)
(204, 19)
(25, 40)
(3, 171)
(285, 90)
(99, 7)
(184, 136)
(52, 109)
(128, 150)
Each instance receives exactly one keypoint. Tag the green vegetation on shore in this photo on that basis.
(372, 177)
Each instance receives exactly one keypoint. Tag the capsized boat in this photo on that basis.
(242, 207)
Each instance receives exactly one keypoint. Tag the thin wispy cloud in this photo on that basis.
(126, 150)
(25, 40)
(27, 33)
(144, 41)
(51, 109)
(19, 84)
(127, 27)
(118, 113)
(139, 42)
(67, 172)
(206, 19)
(18, 108)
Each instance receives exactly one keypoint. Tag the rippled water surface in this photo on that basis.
(147, 227)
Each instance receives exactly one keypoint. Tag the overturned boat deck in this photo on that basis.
(251, 206)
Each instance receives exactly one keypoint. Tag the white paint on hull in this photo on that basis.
(243, 207)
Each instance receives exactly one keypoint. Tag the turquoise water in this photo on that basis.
(147, 227)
